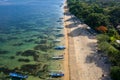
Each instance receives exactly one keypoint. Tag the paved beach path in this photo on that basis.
(82, 62)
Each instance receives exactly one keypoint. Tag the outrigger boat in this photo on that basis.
(58, 57)
(57, 30)
(57, 40)
(56, 74)
(59, 47)
(17, 75)
(59, 35)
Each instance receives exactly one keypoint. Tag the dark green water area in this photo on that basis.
(28, 29)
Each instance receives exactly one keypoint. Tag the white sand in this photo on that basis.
(82, 62)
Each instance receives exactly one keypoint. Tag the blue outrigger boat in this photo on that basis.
(59, 47)
(59, 35)
(16, 75)
(56, 74)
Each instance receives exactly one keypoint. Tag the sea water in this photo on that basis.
(26, 25)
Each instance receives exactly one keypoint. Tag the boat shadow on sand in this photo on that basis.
(73, 23)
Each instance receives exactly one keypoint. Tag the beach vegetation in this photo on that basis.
(115, 16)
(103, 16)
(103, 37)
(115, 73)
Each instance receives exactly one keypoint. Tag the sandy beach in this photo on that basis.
(82, 61)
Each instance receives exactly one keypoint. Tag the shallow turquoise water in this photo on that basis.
(23, 24)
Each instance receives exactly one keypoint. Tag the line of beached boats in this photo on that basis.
(55, 74)
(52, 74)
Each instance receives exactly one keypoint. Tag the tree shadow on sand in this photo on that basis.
(70, 19)
(74, 21)
(75, 32)
(100, 60)
(72, 25)
(81, 31)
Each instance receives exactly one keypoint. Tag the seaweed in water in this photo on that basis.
(23, 60)
(3, 76)
(6, 70)
(18, 44)
(12, 57)
(40, 70)
(30, 53)
(42, 36)
(3, 52)
(42, 47)
(43, 41)
(18, 53)
(2, 40)
(12, 38)
(30, 40)
(30, 68)
(35, 69)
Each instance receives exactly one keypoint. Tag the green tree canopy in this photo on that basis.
(115, 73)
(97, 19)
(115, 16)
